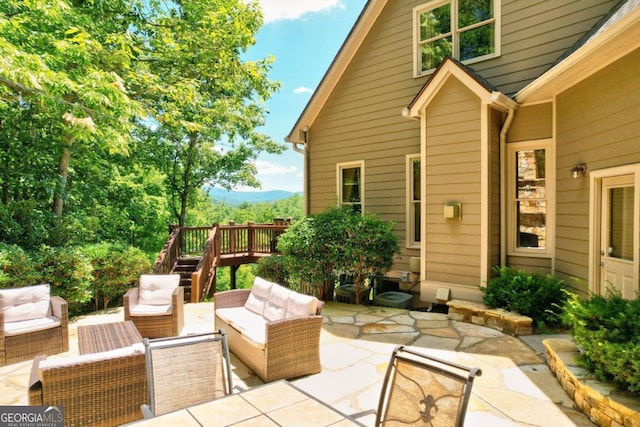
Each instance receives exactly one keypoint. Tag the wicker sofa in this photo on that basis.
(97, 389)
(32, 323)
(271, 329)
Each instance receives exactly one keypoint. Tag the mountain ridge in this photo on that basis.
(236, 198)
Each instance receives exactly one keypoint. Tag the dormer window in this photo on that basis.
(467, 30)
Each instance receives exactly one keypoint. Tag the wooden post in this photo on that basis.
(234, 270)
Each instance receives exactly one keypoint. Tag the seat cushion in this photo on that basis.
(157, 289)
(30, 302)
(31, 325)
(259, 295)
(150, 310)
(248, 323)
(61, 362)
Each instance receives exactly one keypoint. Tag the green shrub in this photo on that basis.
(68, 272)
(273, 268)
(606, 330)
(538, 296)
(17, 268)
(116, 268)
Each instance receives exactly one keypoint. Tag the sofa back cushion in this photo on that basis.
(259, 295)
(301, 305)
(157, 289)
(276, 306)
(30, 302)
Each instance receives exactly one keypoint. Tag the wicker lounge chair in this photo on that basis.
(32, 323)
(185, 371)
(156, 306)
(419, 389)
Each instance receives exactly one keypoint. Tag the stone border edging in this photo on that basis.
(601, 402)
(504, 321)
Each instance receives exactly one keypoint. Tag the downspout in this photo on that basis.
(305, 166)
(510, 107)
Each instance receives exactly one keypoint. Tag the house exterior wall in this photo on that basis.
(597, 124)
(362, 121)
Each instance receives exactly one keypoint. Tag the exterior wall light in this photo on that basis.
(578, 171)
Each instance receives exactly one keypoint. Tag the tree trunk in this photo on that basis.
(63, 173)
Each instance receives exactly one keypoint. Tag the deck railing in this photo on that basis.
(218, 245)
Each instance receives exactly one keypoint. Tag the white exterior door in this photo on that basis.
(615, 241)
(616, 245)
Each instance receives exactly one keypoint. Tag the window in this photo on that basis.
(351, 185)
(413, 201)
(467, 30)
(530, 192)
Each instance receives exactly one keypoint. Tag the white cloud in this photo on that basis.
(302, 89)
(267, 168)
(276, 10)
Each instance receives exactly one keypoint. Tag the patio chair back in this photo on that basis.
(184, 371)
(419, 389)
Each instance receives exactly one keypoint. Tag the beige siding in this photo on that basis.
(362, 120)
(535, 33)
(533, 265)
(453, 175)
(597, 124)
(532, 122)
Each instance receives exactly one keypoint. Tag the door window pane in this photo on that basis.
(621, 223)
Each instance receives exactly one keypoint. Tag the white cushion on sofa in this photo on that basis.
(248, 323)
(276, 306)
(31, 325)
(156, 289)
(30, 302)
(301, 305)
(259, 295)
(91, 357)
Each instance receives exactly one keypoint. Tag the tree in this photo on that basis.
(206, 102)
(320, 247)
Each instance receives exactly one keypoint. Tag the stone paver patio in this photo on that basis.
(515, 389)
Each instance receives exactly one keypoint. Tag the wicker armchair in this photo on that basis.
(96, 389)
(32, 323)
(156, 306)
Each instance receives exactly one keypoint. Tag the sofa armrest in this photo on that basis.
(35, 385)
(129, 300)
(295, 329)
(231, 298)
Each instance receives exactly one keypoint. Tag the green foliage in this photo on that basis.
(606, 329)
(116, 268)
(17, 268)
(318, 248)
(538, 296)
(273, 268)
(68, 272)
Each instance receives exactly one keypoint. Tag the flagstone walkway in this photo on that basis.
(516, 387)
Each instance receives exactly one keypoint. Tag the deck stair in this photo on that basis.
(185, 267)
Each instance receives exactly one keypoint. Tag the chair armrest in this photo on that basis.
(320, 307)
(232, 298)
(60, 309)
(129, 300)
(177, 309)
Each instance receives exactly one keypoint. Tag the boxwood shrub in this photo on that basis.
(606, 330)
(536, 295)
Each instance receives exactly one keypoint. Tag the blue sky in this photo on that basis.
(303, 36)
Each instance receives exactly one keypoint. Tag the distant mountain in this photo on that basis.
(235, 198)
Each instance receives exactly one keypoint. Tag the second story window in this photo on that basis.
(464, 29)
(351, 185)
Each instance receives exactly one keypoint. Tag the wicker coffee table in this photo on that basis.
(107, 336)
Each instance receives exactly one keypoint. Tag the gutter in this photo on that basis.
(302, 148)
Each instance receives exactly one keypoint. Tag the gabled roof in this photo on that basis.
(613, 37)
(452, 68)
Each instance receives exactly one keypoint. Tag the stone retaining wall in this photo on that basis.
(603, 403)
(496, 318)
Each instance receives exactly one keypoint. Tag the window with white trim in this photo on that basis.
(467, 30)
(413, 201)
(351, 185)
(529, 189)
